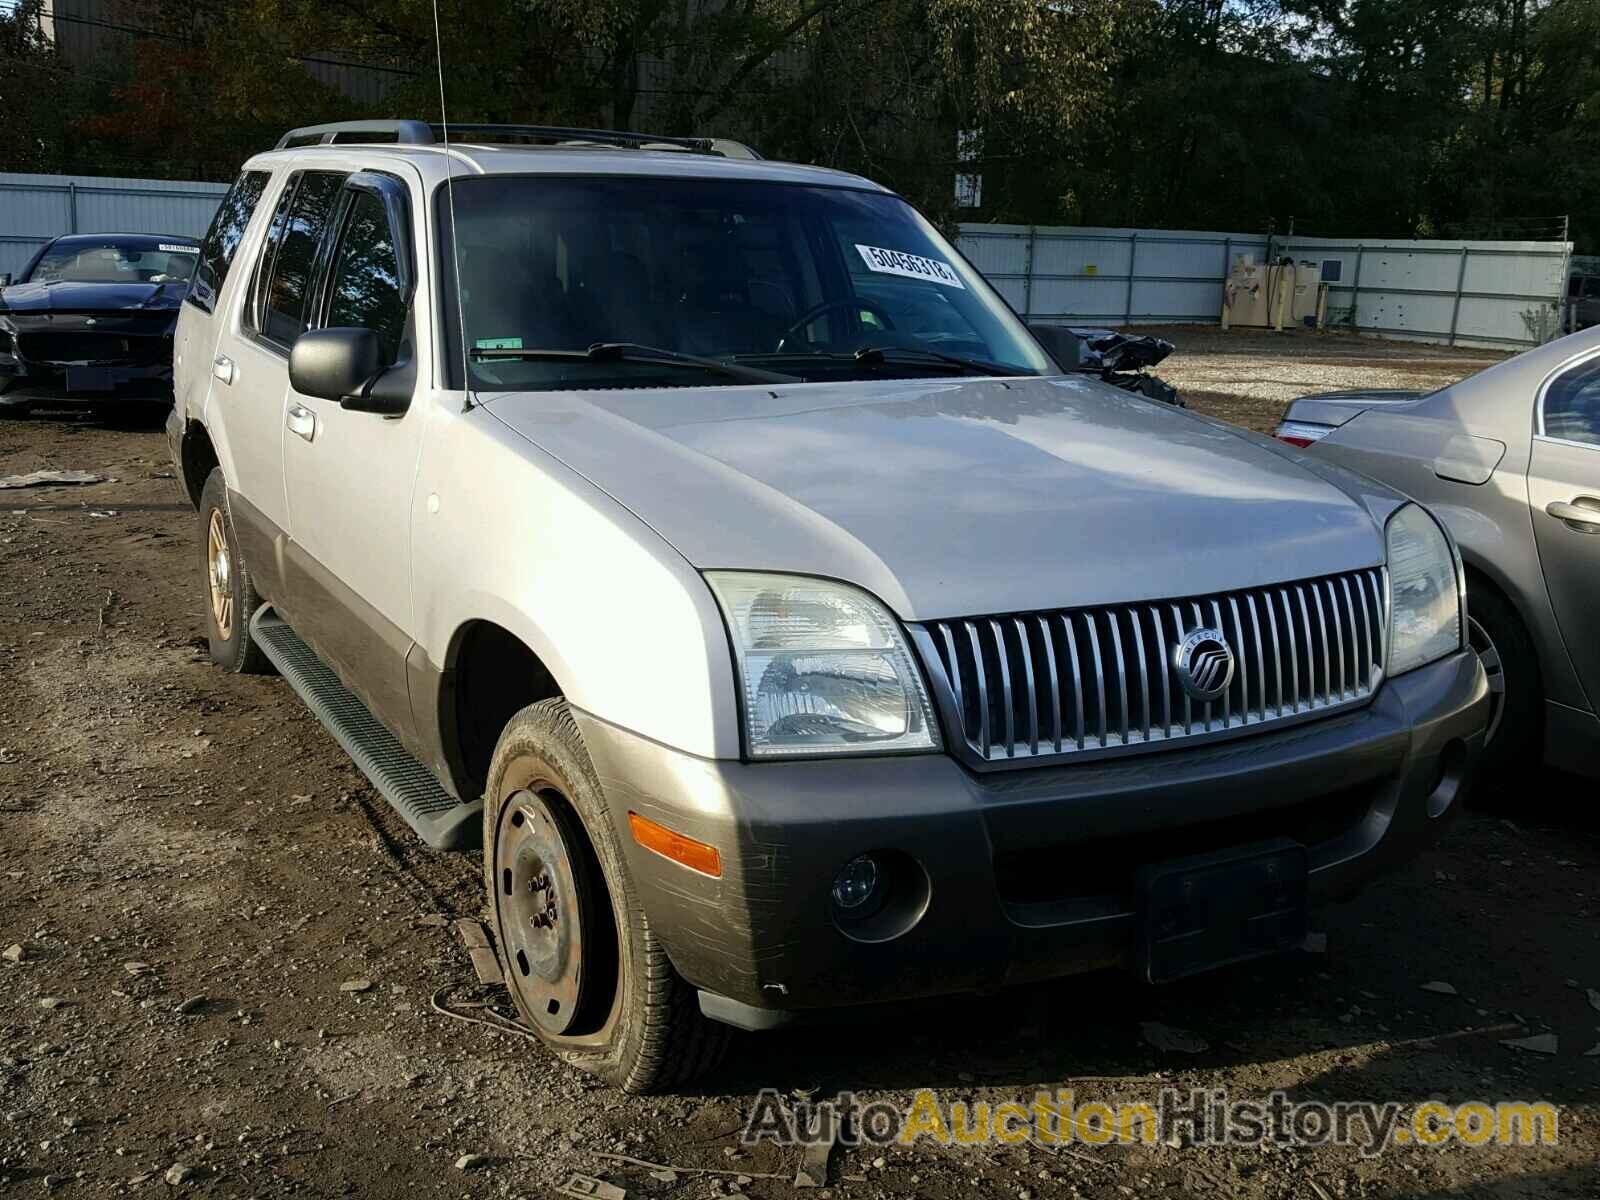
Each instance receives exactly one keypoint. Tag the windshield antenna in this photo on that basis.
(450, 193)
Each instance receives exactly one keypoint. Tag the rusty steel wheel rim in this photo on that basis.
(219, 574)
(541, 908)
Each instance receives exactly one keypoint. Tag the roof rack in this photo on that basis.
(422, 133)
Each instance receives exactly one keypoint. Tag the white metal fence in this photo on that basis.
(36, 208)
(1460, 293)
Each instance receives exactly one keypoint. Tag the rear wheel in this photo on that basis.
(583, 966)
(1502, 644)
(231, 596)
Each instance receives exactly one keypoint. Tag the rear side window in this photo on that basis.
(284, 275)
(366, 276)
(1572, 405)
(222, 239)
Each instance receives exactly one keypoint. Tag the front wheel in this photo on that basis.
(583, 966)
(231, 596)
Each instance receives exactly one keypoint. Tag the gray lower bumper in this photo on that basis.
(1029, 873)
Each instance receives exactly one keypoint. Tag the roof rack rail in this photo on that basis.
(422, 133)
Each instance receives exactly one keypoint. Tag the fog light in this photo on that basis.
(856, 885)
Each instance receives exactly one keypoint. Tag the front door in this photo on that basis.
(251, 371)
(350, 474)
(1564, 488)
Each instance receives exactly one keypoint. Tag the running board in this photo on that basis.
(439, 819)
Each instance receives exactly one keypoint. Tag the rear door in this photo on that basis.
(1564, 489)
(350, 474)
(252, 368)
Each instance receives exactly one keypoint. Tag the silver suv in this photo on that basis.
(708, 533)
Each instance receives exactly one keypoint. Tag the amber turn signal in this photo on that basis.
(697, 856)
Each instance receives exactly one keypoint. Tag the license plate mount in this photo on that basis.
(1197, 914)
(88, 379)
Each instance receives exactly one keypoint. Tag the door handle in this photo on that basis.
(1582, 515)
(302, 421)
(222, 368)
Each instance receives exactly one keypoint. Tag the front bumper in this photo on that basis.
(1029, 873)
(119, 357)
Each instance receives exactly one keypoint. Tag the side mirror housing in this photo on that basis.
(345, 365)
(1059, 342)
(5, 278)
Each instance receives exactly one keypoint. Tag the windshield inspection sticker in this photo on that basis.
(171, 249)
(499, 343)
(912, 266)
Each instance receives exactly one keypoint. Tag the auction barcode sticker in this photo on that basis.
(912, 266)
(172, 249)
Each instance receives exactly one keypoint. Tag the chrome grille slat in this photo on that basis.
(1188, 704)
(1030, 695)
(1362, 649)
(1311, 656)
(1122, 674)
(1099, 675)
(1161, 662)
(1261, 659)
(1277, 654)
(1005, 689)
(1322, 637)
(1055, 681)
(983, 689)
(1077, 680)
(1055, 685)
(1144, 674)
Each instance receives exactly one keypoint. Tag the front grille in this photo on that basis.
(56, 346)
(1055, 684)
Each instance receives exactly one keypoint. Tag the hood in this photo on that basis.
(64, 297)
(1335, 408)
(956, 497)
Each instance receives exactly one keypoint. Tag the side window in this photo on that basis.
(297, 234)
(367, 290)
(1572, 405)
(222, 239)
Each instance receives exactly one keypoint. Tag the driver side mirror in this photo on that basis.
(345, 365)
(5, 278)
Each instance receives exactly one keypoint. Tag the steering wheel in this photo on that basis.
(855, 304)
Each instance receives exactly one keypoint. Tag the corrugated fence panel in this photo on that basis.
(36, 208)
(1471, 293)
(1099, 276)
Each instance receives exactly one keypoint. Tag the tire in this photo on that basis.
(1516, 727)
(614, 1006)
(231, 597)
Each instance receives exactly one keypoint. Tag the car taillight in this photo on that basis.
(1302, 433)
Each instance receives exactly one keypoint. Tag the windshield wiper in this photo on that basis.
(873, 356)
(632, 352)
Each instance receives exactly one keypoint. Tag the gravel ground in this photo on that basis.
(192, 871)
(1250, 376)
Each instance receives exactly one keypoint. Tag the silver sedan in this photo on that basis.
(1510, 460)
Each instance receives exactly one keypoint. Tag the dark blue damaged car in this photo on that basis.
(91, 319)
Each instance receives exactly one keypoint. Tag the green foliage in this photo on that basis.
(1370, 117)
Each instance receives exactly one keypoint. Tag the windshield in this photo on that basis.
(115, 262)
(809, 282)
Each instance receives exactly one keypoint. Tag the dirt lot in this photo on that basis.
(1249, 376)
(192, 869)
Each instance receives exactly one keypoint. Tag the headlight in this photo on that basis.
(823, 668)
(1425, 612)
